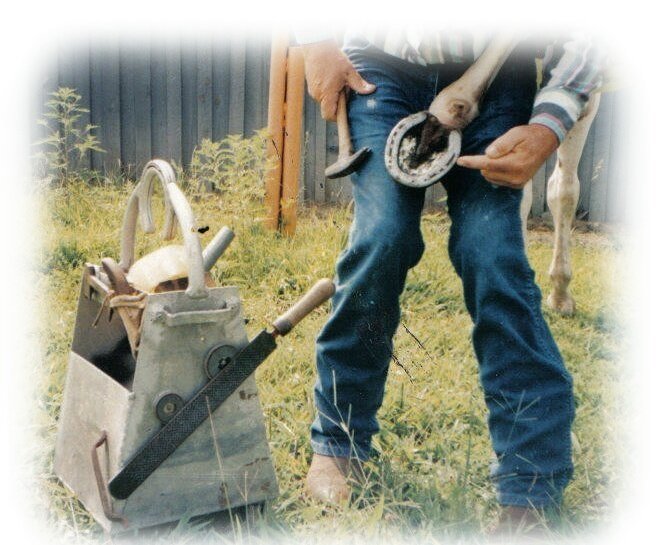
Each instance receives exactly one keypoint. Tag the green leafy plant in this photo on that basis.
(67, 140)
(235, 168)
(235, 165)
(65, 256)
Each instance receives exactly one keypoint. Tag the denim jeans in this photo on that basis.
(527, 389)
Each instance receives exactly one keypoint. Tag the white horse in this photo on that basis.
(460, 101)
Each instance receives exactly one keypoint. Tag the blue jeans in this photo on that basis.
(527, 389)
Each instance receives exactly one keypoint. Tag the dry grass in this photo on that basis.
(430, 472)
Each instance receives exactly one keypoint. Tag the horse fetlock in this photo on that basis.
(561, 302)
(453, 111)
(560, 299)
(560, 274)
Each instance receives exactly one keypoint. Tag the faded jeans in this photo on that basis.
(527, 389)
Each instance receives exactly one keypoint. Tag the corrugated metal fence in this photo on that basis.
(161, 100)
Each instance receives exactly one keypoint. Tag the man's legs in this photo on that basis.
(527, 389)
(354, 348)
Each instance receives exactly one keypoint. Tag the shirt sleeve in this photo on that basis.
(572, 73)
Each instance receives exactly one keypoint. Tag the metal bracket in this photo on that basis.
(104, 496)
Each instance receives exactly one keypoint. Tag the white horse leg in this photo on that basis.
(457, 104)
(525, 206)
(562, 199)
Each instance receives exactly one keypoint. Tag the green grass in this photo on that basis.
(430, 472)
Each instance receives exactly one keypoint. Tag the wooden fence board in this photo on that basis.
(173, 127)
(74, 72)
(220, 90)
(619, 182)
(597, 183)
(309, 150)
(317, 174)
(436, 196)
(81, 82)
(158, 111)
(585, 171)
(105, 106)
(161, 100)
(538, 201)
(204, 98)
(128, 111)
(142, 87)
(256, 96)
(189, 112)
(45, 84)
(237, 94)
(340, 189)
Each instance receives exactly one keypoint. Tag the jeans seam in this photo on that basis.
(541, 332)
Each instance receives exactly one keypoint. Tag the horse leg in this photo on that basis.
(525, 206)
(562, 199)
(458, 103)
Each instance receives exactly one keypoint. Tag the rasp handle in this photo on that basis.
(317, 295)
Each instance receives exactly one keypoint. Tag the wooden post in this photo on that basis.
(286, 95)
(294, 96)
(276, 128)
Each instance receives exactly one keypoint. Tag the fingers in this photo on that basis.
(503, 171)
(504, 144)
(482, 162)
(358, 84)
(329, 102)
(514, 158)
(329, 107)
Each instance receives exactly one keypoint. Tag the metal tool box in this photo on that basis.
(122, 388)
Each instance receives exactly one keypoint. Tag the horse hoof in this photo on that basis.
(564, 305)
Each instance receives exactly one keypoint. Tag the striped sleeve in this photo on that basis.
(569, 78)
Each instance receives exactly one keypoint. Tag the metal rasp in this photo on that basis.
(148, 458)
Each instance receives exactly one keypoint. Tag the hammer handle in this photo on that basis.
(319, 293)
(344, 137)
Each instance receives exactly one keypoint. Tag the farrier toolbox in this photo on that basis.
(161, 418)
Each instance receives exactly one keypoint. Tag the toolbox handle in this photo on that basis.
(176, 206)
(194, 317)
(106, 504)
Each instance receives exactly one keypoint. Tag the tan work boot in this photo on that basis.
(329, 478)
(524, 521)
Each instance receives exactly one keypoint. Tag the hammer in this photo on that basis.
(347, 161)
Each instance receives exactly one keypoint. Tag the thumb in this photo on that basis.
(358, 84)
(503, 145)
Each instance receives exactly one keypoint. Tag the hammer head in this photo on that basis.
(420, 151)
(344, 166)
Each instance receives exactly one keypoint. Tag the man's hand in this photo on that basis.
(513, 158)
(328, 71)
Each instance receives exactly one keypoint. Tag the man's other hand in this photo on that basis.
(328, 71)
(513, 158)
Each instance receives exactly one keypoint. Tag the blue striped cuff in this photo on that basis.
(558, 109)
(550, 122)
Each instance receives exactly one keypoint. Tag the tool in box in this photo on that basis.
(161, 417)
